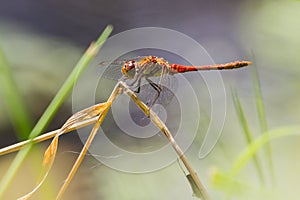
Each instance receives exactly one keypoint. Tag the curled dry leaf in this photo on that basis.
(47, 164)
(50, 152)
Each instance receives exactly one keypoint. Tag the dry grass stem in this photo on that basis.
(96, 114)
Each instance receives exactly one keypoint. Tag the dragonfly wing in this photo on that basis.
(111, 70)
(148, 93)
(169, 84)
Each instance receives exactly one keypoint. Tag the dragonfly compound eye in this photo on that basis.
(127, 67)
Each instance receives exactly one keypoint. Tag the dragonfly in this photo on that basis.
(149, 67)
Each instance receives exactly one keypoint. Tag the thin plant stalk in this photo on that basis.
(157, 121)
(262, 119)
(18, 112)
(46, 136)
(88, 142)
(248, 134)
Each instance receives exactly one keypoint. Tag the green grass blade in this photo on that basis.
(262, 118)
(227, 181)
(53, 107)
(252, 149)
(17, 110)
(248, 134)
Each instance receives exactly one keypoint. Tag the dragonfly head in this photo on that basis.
(128, 69)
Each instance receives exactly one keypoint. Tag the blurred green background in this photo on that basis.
(41, 41)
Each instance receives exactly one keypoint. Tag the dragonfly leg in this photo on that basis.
(123, 78)
(157, 88)
(137, 77)
(138, 86)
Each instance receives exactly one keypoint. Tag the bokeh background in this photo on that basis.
(43, 40)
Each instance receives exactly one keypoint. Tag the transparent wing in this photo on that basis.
(165, 81)
(112, 69)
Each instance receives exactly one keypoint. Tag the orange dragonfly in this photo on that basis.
(149, 67)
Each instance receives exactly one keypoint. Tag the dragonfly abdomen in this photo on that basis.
(232, 65)
(174, 68)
